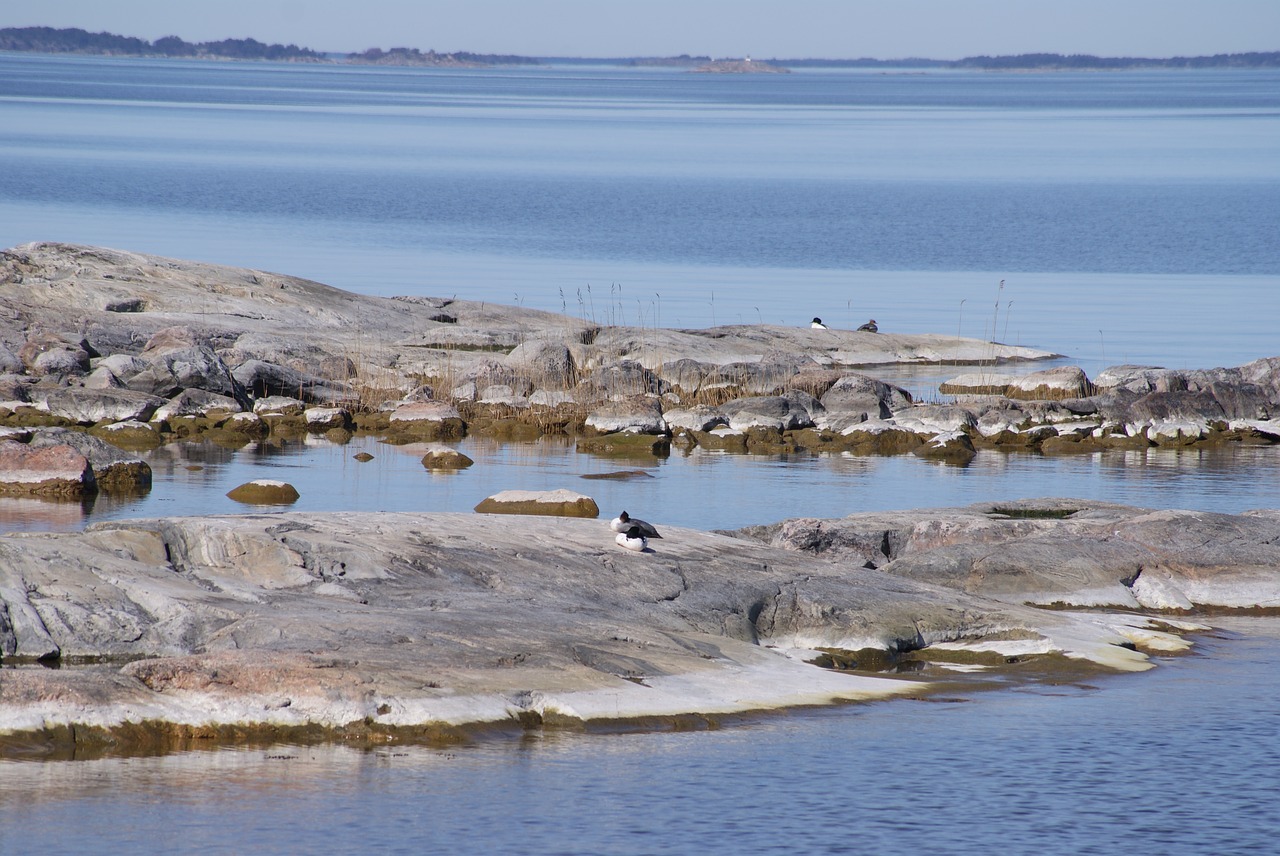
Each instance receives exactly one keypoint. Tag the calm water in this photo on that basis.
(1164, 762)
(701, 489)
(1132, 217)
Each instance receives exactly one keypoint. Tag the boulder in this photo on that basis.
(87, 406)
(55, 470)
(624, 444)
(953, 447)
(264, 492)
(261, 379)
(9, 362)
(855, 394)
(1052, 384)
(52, 354)
(101, 378)
(623, 379)
(1140, 379)
(59, 362)
(122, 366)
(171, 371)
(636, 415)
(249, 424)
(782, 412)
(501, 394)
(337, 367)
(427, 420)
(1175, 406)
(441, 457)
(686, 375)
(1243, 400)
(281, 405)
(321, 419)
(764, 378)
(552, 503)
(701, 418)
(935, 418)
(1265, 374)
(114, 468)
(15, 389)
(548, 364)
(1177, 432)
(196, 402)
(129, 434)
(882, 437)
(490, 372)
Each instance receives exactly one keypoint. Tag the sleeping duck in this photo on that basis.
(624, 522)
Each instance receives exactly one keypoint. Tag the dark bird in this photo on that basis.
(624, 522)
(870, 327)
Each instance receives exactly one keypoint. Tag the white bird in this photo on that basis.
(632, 539)
(623, 522)
(817, 324)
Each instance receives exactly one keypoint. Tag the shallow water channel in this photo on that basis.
(696, 488)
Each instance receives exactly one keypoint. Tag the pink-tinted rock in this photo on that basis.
(49, 471)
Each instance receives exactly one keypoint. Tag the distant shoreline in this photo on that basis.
(47, 40)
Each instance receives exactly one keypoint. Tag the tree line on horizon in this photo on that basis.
(75, 40)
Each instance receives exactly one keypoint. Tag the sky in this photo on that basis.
(838, 29)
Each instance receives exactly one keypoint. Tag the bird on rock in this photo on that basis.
(870, 327)
(623, 523)
(632, 539)
(817, 324)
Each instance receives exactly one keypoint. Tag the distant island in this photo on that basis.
(50, 40)
(431, 59)
(741, 66)
(78, 41)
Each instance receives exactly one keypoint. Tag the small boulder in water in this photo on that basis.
(554, 503)
(265, 492)
(441, 457)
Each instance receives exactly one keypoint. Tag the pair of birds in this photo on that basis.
(869, 327)
(632, 534)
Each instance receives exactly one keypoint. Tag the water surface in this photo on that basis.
(1131, 217)
(1158, 762)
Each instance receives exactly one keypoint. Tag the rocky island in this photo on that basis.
(741, 66)
(412, 626)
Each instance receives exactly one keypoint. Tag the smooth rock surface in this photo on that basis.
(413, 619)
(1069, 552)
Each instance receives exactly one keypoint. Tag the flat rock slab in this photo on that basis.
(295, 619)
(1060, 552)
(269, 319)
(555, 503)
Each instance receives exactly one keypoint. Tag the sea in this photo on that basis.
(1119, 217)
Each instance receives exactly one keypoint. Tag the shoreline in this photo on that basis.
(417, 620)
(396, 626)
